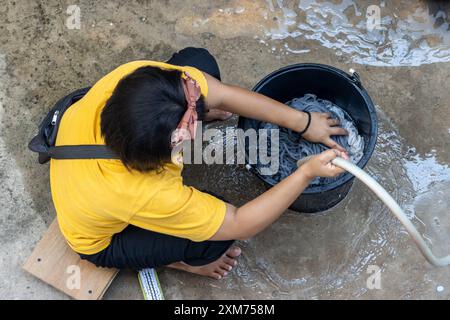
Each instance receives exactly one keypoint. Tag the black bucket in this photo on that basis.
(342, 89)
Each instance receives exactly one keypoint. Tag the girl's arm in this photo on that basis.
(257, 106)
(253, 217)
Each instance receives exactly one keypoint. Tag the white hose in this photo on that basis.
(395, 209)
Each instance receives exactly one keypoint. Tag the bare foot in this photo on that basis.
(216, 114)
(217, 269)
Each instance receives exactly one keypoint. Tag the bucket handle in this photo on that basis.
(354, 77)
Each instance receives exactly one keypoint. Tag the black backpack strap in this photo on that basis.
(88, 151)
(44, 142)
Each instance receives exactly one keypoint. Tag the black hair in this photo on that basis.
(138, 119)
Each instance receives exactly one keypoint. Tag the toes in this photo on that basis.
(219, 273)
(217, 114)
(229, 262)
(226, 267)
(216, 275)
(227, 115)
(222, 115)
(234, 252)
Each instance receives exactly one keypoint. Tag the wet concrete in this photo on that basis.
(300, 256)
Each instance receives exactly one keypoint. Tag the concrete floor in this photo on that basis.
(324, 256)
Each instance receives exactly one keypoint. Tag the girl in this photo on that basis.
(135, 212)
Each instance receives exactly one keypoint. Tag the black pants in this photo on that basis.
(137, 248)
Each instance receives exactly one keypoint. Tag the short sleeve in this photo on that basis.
(181, 211)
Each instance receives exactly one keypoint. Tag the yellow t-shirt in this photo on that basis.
(95, 199)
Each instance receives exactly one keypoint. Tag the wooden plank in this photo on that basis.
(55, 263)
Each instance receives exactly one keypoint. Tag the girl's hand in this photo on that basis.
(320, 164)
(322, 127)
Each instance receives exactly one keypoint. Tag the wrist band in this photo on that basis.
(309, 122)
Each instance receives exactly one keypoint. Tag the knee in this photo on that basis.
(196, 51)
(201, 59)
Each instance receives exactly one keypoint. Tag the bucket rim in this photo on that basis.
(356, 83)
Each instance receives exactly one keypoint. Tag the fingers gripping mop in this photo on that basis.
(151, 288)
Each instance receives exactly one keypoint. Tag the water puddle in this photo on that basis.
(425, 170)
(378, 33)
(312, 256)
(431, 181)
(431, 209)
(404, 35)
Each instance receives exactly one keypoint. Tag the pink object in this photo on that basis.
(186, 129)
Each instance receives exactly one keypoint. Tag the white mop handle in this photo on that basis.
(395, 209)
